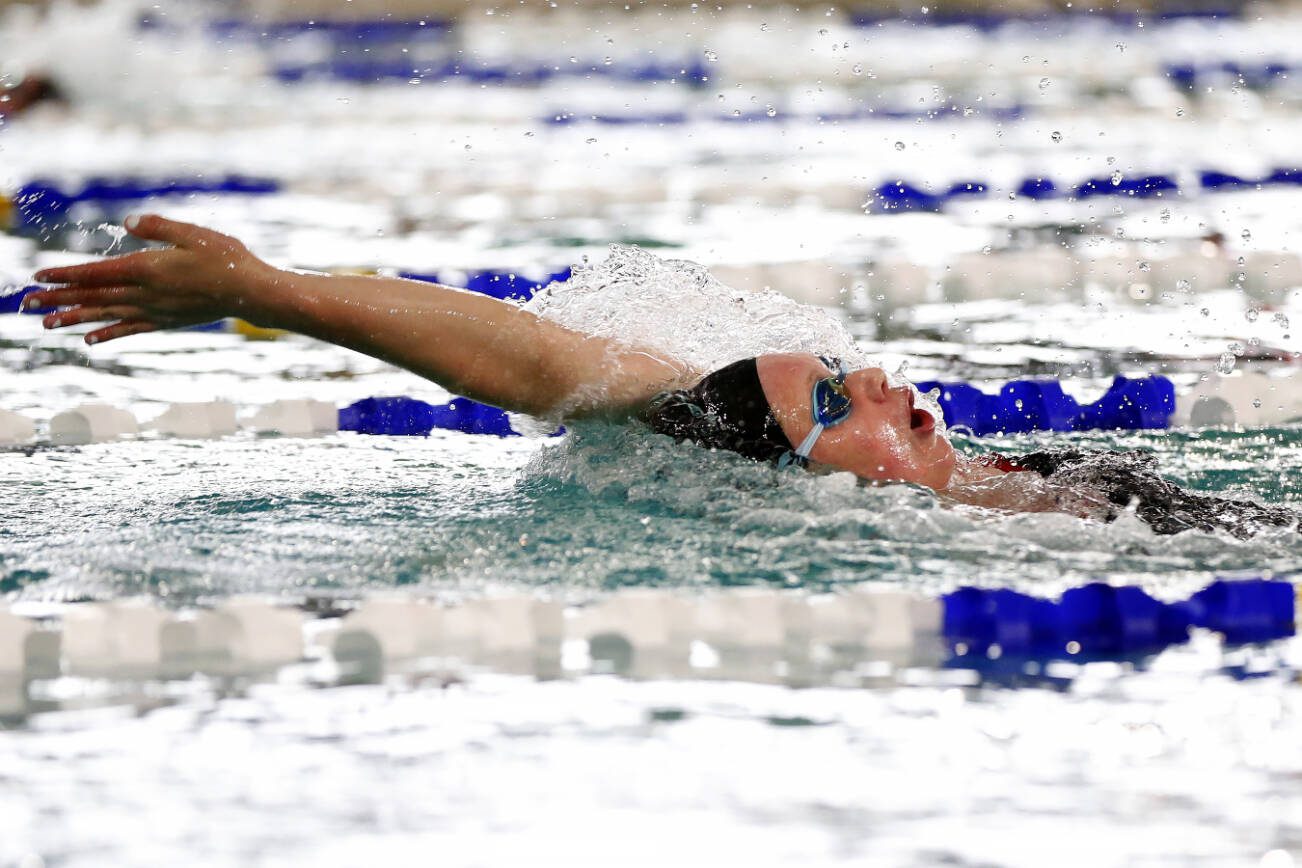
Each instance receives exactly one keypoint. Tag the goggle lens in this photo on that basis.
(831, 404)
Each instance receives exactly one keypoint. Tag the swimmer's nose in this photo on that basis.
(869, 383)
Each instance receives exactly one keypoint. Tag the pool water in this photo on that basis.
(1188, 757)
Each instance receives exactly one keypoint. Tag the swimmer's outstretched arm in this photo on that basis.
(472, 345)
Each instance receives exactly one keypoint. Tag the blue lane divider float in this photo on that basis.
(1192, 75)
(414, 418)
(42, 205)
(692, 72)
(1102, 620)
(411, 417)
(950, 111)
(1022, 406)
(367, 33)
(989, 22)
(504, 285)
(903, 195)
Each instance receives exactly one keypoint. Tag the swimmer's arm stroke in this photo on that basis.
(487, 350)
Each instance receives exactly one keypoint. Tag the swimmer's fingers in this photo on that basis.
(95, 297)
(84, 314)
(119, 270)
(122, 329)
(152, 227)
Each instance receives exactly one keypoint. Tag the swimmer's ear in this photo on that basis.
(155, 228)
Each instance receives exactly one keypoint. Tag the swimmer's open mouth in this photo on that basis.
(920, 420)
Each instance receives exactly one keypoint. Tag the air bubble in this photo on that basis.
(899, 146)
(1056, 136)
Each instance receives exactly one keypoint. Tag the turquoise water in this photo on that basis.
(603, 508)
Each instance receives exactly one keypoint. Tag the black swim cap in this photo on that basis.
(726, 410)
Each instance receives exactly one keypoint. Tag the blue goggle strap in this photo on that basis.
(807, 445)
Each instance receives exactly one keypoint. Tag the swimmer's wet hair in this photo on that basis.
(726, 410)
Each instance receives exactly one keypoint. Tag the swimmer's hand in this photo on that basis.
(204, 276)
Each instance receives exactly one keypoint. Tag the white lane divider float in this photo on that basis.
(92, 423)
(640, 632)
(1248, 399)
(136, 638)
(196, 421)
(296, 418)
(15, 428)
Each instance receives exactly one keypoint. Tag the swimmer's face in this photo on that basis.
(883, 438)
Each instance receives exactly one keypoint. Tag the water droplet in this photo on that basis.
(1246, 235)
(899, 146)
(1280, 320)
(764, 28)
(1116, 179)
(1205, 311)
(1056, 136)
(608, 60)
(1182, 285)
(590, 141)
(1226, 363)
(1044, 83)
(1179, 112)
(1144, 266)
(771, 112)
(1251, 314)
(1165, 215)
(1256, 402)
(1111, 160)
(711, 56)
(857, 69)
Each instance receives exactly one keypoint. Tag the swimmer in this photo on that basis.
(18, 98)
(786, 409)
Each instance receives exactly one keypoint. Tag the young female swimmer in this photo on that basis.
(788, 409)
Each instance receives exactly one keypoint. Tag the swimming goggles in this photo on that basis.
(829, 404)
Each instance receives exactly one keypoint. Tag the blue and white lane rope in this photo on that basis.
(43, 205)
(679, 634)
(1021, 406)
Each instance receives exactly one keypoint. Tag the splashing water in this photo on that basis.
(677, 308)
